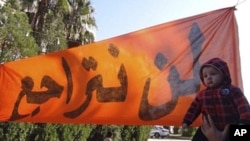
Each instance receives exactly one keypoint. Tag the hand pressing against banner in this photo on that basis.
(211, 132)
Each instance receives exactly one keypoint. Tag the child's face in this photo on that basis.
(212, 77)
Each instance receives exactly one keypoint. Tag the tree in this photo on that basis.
(121, 132)
(15, 42)
(60, 24)
(15, 131)
(30, 26)
(43, 25)
(79, 23)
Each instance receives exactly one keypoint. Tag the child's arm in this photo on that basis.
(192, 113)
(242, 105)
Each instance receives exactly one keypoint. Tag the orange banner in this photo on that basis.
(145, 77)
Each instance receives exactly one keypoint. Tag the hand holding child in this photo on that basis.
(211, 132)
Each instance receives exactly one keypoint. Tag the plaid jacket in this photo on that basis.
(224, 108)
(226, 104)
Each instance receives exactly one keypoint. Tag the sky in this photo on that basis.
(118, 17)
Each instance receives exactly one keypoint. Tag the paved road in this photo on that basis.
(167, 140)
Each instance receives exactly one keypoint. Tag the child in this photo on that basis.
(225, 103)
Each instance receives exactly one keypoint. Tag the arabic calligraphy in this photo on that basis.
(104, 95)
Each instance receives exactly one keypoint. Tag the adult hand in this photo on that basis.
(211, 132)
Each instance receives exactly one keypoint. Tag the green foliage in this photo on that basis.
(54, 26)
(188, 132)
(15, 131)
(54, 33)
(14, 42)
(14, 4)
(44, 132)
(63, 6)
(121, 132)
(129, 133)
(74, 132)
(143, 133)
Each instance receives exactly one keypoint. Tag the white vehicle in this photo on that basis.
(159, 132)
